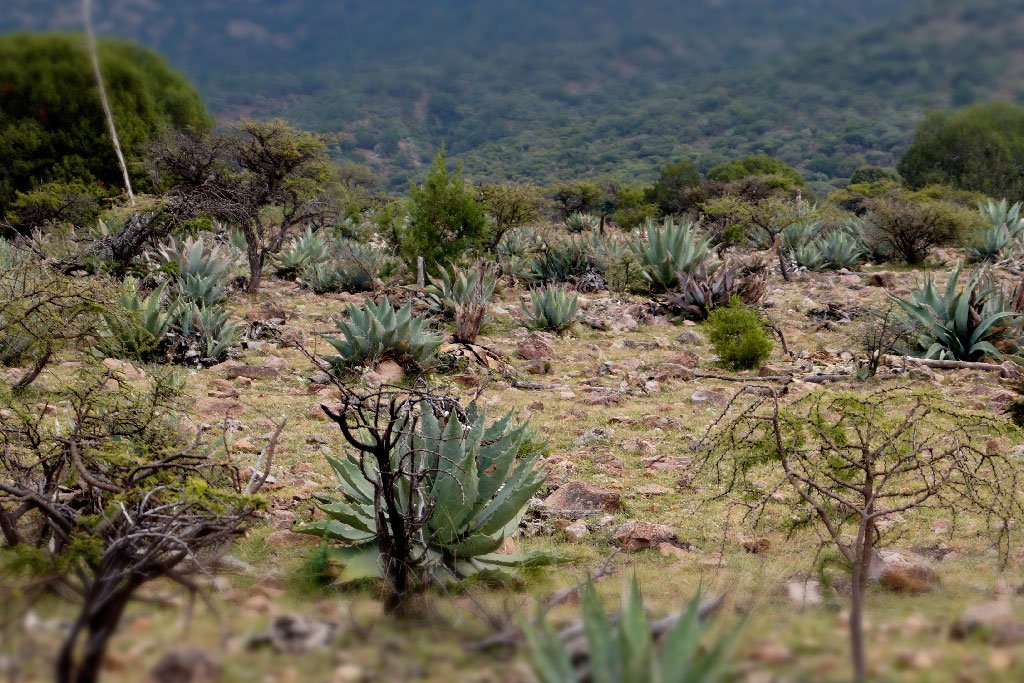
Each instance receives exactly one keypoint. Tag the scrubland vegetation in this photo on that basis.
(268, 421)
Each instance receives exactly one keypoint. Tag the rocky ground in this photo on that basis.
(622, 399)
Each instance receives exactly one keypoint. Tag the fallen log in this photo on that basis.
(1007, 369)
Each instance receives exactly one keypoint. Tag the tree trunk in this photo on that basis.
(858, 591)
(99, 621)
(255, 257)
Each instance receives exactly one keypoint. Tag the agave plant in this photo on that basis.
(960, 324)
(701, 293)
(447, 487)
(991, 244)
(376, 331)
(800, 234)
(197, 258)
(305, 249)
(623, 650)
(841, 249)
(1002, 215)
(516, 242)
(560, 263)
(669, 250)
(204, 333)
(809, 256)
(581, 222)
(455, 288)
(351, 267)
(8, 257)
(552, 309)
(139, 330)
(203, 290)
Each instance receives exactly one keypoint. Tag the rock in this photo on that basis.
(673, 551)
(804, 592)
(668, 371)
(185, 665)
(709, 396)
(535, 347)
(390, 372)
(297, 634)
(996, 621)
(538, 367)
(757, 546)
(218, 408)
(320, 378)
(275, 363)
(901, 570)
(581, 499)
(884, 279)
(123, 368)
(265, 314)
(689, 337)
(251, 372)
(636, 535)
(245, 445)
(347, 673)
(577, 531)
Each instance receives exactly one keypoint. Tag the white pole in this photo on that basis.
(95, 57)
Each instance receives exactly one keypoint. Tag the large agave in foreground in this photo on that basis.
(454, 488)
(376, 331)
(961, 324)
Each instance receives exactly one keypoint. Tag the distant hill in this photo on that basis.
(542, 90)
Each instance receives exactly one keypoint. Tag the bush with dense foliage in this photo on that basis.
(738, 336)
(975, 148)
(754, 166)
(54, 130)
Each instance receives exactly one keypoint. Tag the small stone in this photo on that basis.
(185, 665)
(804, 592)
(245, 445)
(577, 531)
(390, 372)
(207, 407)
(636, 535)
(757, 546)
(275, 363)
(251, 372)
(123, 368)
(538, 367)
(674, 551)
(884, 279)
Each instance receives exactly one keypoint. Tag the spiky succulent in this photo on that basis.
(205, 291)
(668, 250)
(139, 330)
(304, 250)
(623, 650)
(376, 331)
(350, 267)
(800, 234)
(552, 309)
(581, 222)
(561, 263)
(456, 287)
(203, 334)
(199, 258)
(701, 293)
(960, 323)
(841, 249)
(809, 256)
(474, 479)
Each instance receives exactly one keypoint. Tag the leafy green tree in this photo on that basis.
(582, 196)
(976, 148)
(675, 191)
(53, 128)
(757, 165)
(509, 206)
(445, 218)
(872, 174)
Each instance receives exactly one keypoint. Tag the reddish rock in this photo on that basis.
(581, 498)
(251, 372)
(535, 347)
(636, 535)
(902, 571)
(218, 407)
(884, 279)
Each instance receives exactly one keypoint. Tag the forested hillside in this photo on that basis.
(582, 88)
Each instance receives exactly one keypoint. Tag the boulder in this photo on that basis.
(390, 372)
(902, 570)
(804, 593)
(208, 407)
(579, 498)
(636, 535)
(577, 531)
(123, 368)
(995, 621)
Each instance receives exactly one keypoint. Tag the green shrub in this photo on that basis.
(377, 331)
(669, 250)
(623, 650)
(552, 309)
(738, 336)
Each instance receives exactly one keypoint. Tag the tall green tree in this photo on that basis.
(980, 147)
(757, 165)
(52, 127)
(674, 191)
(445, 219)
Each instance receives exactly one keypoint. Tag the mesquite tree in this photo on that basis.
(101, 492)
(848, 462)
